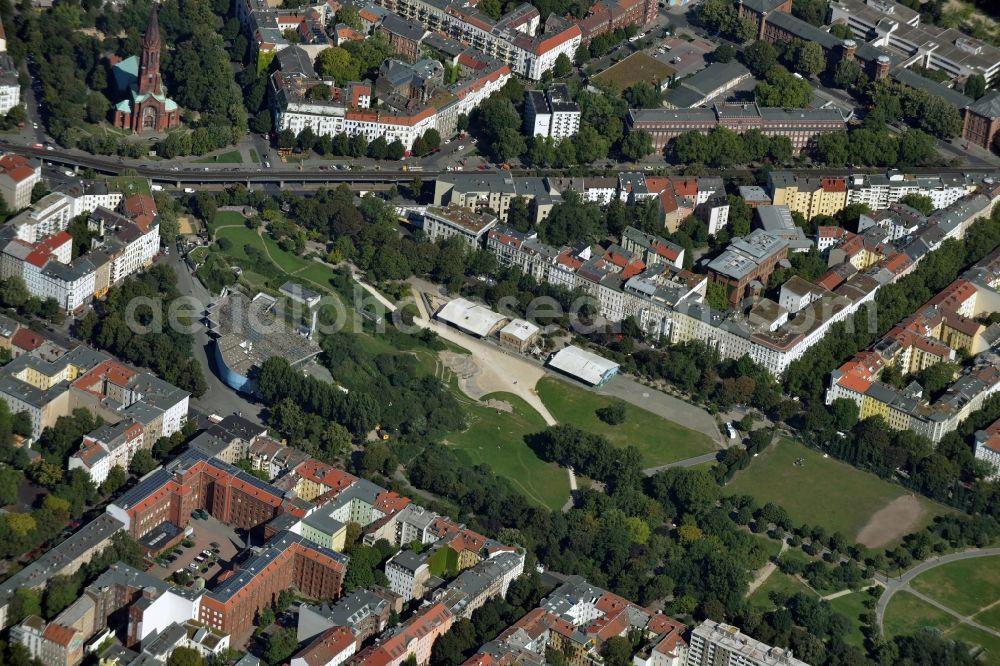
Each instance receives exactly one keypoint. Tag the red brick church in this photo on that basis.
(146, 108)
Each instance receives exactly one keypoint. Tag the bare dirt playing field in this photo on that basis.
(900, 516)
(188, 225)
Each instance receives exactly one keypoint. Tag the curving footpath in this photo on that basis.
(895, 584)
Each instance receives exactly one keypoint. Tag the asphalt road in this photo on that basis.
(894, 585)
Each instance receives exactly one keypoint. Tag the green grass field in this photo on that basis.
(638, 67)
(129, 185)
(820, 491)
(232, 157)
(659, 441)
(988, 642)
(852, 607)
(771, 547)
(226, 218)
(231, 226)
(198, 254)
(777, 582)
(989, 618)
(966, 586)
(497, 438)
(907, 613)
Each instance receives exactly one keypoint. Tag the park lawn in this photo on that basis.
(254, 157)
(852, 607)
(989, 618)
(969, 634)
(777, 582)
(771, 547)
(659, 441)
(796, 555)
(497, 438)
(821, 491)
(907, 613)
(227, 218)
(198, 254)
(965, 586)
(231, 225)
(232, 157)
(239, 237)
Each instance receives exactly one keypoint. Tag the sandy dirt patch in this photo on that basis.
(900, 516)
(188, 225)
(499, 405)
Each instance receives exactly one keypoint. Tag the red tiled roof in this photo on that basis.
(26, 339)
(325, 648)
(141, 209)
(547, 45)
(833, 184)
(390, 502)
(59, 634)
(854, 383)
(46, 247)
(685, 187)
(830, 280)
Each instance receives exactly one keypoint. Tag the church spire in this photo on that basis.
(152, 29)
(149, 70)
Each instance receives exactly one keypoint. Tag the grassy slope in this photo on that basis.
(660, 441)
(821, 491)
(497, 438)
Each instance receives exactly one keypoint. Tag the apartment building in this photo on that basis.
(332, 648)
(442, 223)
(484, 581)
(518, 38)
(365, 612)
(10, 85)
(609, 15)
(360, 501)
(107, 447)
(551, 113)
(52, 644)
(86, 378)
(578, 618)
(724, 645)
(946, 323)
(747, 263)
(411, 101)
(494, 192)
(808, 196)
(18, 174)
(800, 125)
(408, 574)
(987, 447)
(37, 248)
(882, 191)
(414, 638)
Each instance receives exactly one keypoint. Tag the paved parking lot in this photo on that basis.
(206, 532)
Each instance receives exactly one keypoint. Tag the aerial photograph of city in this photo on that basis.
(499, 332)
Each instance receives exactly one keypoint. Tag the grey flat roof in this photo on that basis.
(914, 80)
(54, 560)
